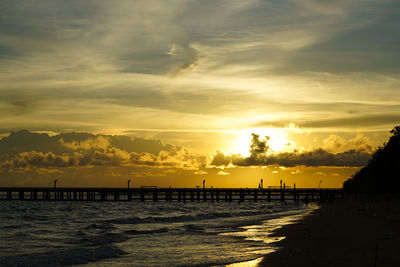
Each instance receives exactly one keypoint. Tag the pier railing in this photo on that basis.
(168, 194)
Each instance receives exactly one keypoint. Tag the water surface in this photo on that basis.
(139, 234)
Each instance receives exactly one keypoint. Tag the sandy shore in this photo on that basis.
(344, 233)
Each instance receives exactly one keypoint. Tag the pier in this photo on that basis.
(168, 194)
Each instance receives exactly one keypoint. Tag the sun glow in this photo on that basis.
(278, 141)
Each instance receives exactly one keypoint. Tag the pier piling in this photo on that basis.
(171, 194)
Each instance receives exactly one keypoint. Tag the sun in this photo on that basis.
(278, 141)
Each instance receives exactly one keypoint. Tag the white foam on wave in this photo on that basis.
(150, 234)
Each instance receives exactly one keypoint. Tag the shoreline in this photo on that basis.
(271, 239)
(351, 232)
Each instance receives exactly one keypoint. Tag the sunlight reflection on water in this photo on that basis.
(264, 233)
(141, 234)
(251, 263)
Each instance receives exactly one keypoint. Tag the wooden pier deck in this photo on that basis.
(168, 194)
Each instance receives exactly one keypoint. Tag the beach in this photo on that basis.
(350, 232)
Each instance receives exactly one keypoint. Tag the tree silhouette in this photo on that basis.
(382, 172)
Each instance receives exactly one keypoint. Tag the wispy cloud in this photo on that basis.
(214, 65)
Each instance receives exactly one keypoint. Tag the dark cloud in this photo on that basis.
(29, 160)
(80, 65)
(7, 52)
(220, 159)
(205, 101)
(190, 54)
(365, 120)
(22, 141)
(24, 150)
(318, 157)
(370, 46)
(353, 121)
(257, 146)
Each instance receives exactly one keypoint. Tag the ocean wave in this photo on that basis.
(15, 226)
(41, 231)
(101, 240)
(22, 235)
(102, 226)
(194, 228)
(184, 233)
(64, 257)
(131, 220)
(145, 232)
(184, 218)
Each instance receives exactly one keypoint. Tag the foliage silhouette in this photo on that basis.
(382, 172)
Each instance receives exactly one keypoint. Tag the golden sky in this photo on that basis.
(319, 78)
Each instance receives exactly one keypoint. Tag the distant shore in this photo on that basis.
(352, 232)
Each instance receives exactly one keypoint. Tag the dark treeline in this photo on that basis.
(382, 172)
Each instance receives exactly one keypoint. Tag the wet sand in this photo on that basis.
(350, 232)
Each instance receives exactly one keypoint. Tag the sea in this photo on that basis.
(68, 233)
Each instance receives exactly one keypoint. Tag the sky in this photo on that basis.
(228, 91)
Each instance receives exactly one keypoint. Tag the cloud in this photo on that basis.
(318, 157)
(95, 65)
(180, 158)
(220, 159)
(199, 172)
(34, 159)
(223, 173)
(190, 53)
(257, 146)
(98, 142)
(348, 119)
(358, 121)
(111, 157)
(39, 159)
(297, 172)
(365, 46)
(21, 141)
(25, 151)
(335, 143)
